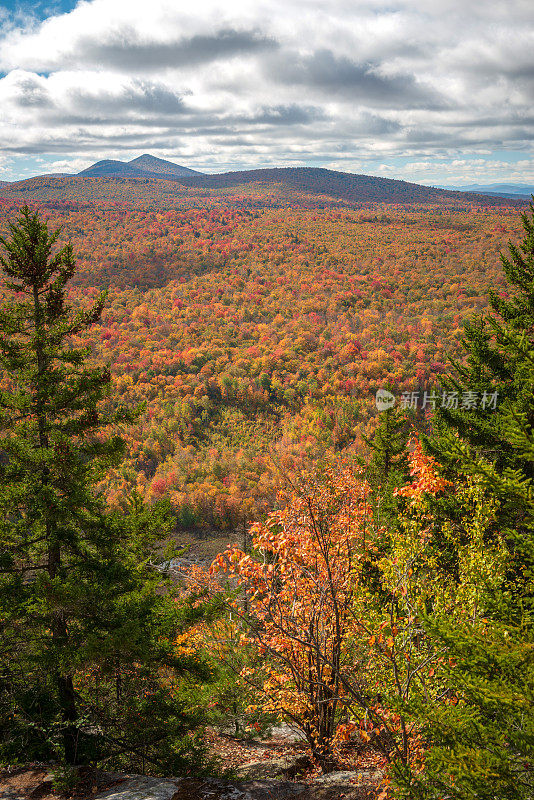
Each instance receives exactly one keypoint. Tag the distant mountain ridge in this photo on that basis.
(145, 166)
(147, 178)
(512, 190)
(341, 185)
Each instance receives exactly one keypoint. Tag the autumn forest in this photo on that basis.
(259, 336)
(199, 362)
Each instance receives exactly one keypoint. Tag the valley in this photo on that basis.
(257, 327)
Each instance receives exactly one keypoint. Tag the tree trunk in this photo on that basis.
(67, 700)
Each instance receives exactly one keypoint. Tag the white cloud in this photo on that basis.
(237, 84)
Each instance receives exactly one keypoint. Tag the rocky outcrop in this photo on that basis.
(346, 785)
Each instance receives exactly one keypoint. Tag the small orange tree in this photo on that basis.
(297, 600)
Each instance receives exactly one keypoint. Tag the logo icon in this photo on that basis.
(384, 400)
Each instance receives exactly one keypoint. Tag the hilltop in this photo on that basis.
(345, 186)
(312, 180)
(147, 179)
(141, 167)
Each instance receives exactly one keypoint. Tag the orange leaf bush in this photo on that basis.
(297, 596)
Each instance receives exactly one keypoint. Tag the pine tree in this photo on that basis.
(389, 445)
(491, 431)
(387, 467)
(482, 740)
(82, 623)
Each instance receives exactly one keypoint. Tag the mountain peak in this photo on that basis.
(148, 163)
(145, 166)
(146, 158)
(341, 187)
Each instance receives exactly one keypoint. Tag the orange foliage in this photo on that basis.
(427, 480)
(258, 333)
(298, 599)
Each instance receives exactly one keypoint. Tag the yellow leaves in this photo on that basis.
(187, 643)
(384, 794)
(301, 582)
(218, 564)
(246, 672)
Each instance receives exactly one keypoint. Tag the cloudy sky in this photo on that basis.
(434, 91)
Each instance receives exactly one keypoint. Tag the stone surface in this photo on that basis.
(336, 786)
(213, 789)
(140, 787)
(35, 785)
(287, 732)
(347, 785)
(285, 767)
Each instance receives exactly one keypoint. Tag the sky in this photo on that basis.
(438, 92)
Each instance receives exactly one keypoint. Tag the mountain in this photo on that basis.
(315, 180)
(159, 166)
(277, 186)
(115, 169)
(341, 185)
(155, 179)
(145, 166)
(521, 190)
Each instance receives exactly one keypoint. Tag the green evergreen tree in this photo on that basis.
(482, 745)
(84, 632)
(388, 446)
(491, 431)
(387, 468)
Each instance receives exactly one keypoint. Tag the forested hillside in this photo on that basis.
(160, 193)
(292, 186)
(258, 335)
(216, 368)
